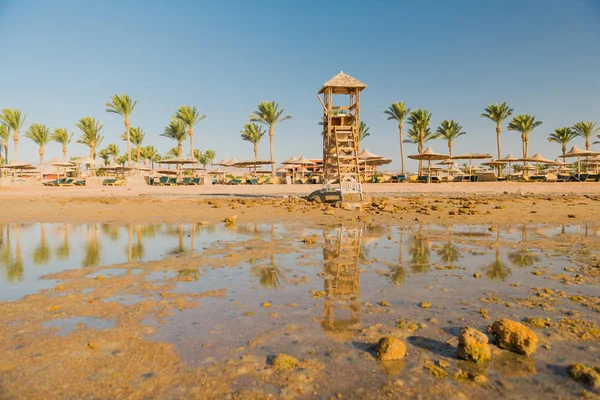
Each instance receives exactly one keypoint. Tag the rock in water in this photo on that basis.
(513, 336)
(389, 349)
(285, 362)
(583, 374)
(473, 345)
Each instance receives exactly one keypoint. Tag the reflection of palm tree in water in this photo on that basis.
(341, 256)
(268, 276)
(180, 246)
(63, 251)
(41, 254)
(92, 248)
(397, 274)
(523, 257)
(14, 267)
(137, 250)
(448, 253)
(419, 252)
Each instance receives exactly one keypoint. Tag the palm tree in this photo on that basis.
(40, 134)
(190, 116)
(524, 123)
(203, 159)
(253, 133)
(90, 134)
(150, 153)
(14, 120)
(562, 136)
(268, 113)
(197, 154)
(448, 253)
(136, 136)
(419, 120)
(123, 105)
(498, 113)
(122, 160)
(61, 135)
(176, 131)
(586, 130)
(105, 155)
(449, 130)
(363, 131)
(113, 151)
(172, 153)
(92, 248)
(398, 112)
(4, 137)
(63, 251)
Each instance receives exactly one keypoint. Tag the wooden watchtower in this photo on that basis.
(340, 134)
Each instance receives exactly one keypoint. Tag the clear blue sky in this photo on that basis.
(62, 60)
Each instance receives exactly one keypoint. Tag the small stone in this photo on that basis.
(476, 275)
(266, 304)
(390, 348)
(514, 336)
(230, 220)
(384, 303)
(92, 345)
(473, 345)
(285, 362)
(583, 374)
(425, 304)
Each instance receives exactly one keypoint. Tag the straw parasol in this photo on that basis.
(16, 165)
(577, 152)
(88, 161)
(303, 161)
(253, 163)
(537, 158)
(222, 163)
(471, 157)
(377, 162)
(291, 161)
(428, 155)
(367, 155)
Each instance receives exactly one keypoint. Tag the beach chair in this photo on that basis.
(68, 182)
(578, 178)
(593, 178)
(474, 178)
(434, 179)
(262, 180)
(502, 179)
(398, 178)
(235, 182)
(562, 178)
(423, 179)
(252, 181)
(163, 180)
(51, 183)
(537, 178)
(172, 182)
(196, 181)
(109, 182)
(458, 178)
(185, 181)
(80, 182)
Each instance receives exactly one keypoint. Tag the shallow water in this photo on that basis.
(324, 296)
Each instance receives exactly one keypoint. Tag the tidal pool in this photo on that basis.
(328, 293)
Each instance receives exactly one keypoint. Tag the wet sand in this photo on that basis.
(205, 322)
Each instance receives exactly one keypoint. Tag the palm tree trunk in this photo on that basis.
(41, 161)
(64, 149)
(6, 153)
(498, 130)
(179, 149)
(564, 149)
(138, 152)
(271, 149)
(450, 148)
(191, 133)
(128, 142)
(401, 146)
(255, 150)
(16, 149)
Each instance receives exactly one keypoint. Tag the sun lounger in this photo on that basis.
(562, 178)
(593, 178)
(252, 181)
(80, 182)
(502, 179)
(235, 182)
(458, 178)
(423, 179)
(109, 182)
(578, 178)
(68, 182)
(474, 178)
(185, 181)
(537, 178)
(50, 183)
(398, 178)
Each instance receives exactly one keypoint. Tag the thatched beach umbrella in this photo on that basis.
(428, 155)
(471, 157)
(577, 152)
(537, 158)
(290, 161)
(367, 155)
(253, 163)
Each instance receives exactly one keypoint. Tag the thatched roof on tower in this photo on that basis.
(341, 83)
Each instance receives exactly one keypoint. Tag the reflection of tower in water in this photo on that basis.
(341, 255)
